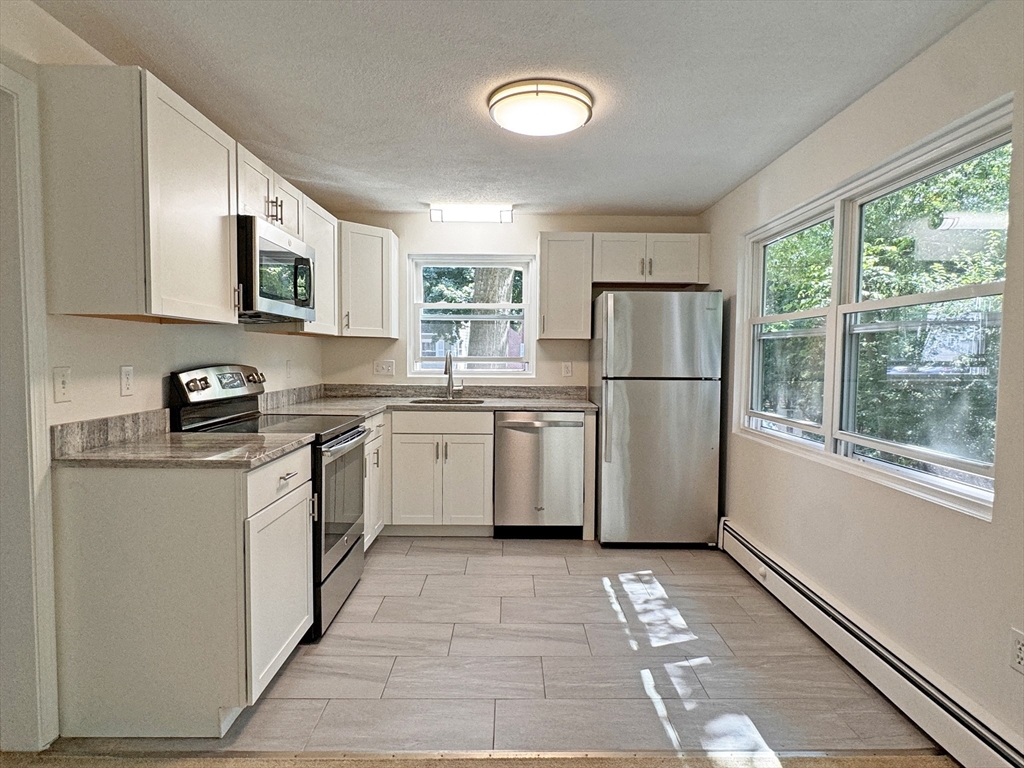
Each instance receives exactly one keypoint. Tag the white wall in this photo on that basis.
(94, 348)
(350, 361)
(940, 588)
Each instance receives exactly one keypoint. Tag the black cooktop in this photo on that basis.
(326, 427)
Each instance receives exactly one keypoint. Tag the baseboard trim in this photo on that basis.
(963, 735)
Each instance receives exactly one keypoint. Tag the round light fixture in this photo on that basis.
(541, 107)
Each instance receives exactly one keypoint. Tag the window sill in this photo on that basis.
(964, 503)
(473, 375)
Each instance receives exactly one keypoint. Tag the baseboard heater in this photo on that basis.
(959, 732)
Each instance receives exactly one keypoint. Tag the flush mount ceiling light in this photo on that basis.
(497, 213)
(541, 107)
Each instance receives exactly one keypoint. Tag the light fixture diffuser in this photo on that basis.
(492, 213)
(541, 107)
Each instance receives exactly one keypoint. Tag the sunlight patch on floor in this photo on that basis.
(663, 622)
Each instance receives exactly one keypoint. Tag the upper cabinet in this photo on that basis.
(321, 230)
(262, 192)
(565, 264)
(652, 258)
(142, 189)
(369, 281)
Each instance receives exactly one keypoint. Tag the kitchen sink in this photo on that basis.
(446, 401)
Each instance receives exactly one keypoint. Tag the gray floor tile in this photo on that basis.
(668, 639)
(551, 725)
(331, 677)
(567, 586)
(708, 610)
(382, 584)
(776, 638)
(359, 608)
(398, 545)
(274, 725)
(440, 609)
(774, 677)
(519, 640)
(701, 562)
(615, 566)
(764, 607)
(484, 677)
(416, 564)
(722, 725)
(558, 610)
(454, 545)
(557, 547)
(383, 640)
(709, 583)
(478, 585)
(619, 677)
(886, 730)
(515, 564)
(401, 725)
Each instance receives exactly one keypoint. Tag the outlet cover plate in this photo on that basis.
(567, 369)
(1017, 650)
(62, 385)
(127, 380)
(383, 367)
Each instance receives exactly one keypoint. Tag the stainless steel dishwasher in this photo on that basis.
(538, 473)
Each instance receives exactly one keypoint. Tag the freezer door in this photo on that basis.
(661, 334)
(658, 466)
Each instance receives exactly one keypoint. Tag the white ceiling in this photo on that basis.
(381, 105)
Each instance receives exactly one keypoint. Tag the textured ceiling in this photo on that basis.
(381, 105)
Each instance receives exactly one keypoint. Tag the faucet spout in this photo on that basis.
(449, 372)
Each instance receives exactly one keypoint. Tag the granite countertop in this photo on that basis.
(190, 451)
(369, 406)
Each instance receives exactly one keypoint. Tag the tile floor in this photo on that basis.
(460, 645)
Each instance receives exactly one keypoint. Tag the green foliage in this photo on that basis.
(798, 271)
(458, 285)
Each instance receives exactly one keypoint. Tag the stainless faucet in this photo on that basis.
(448, 368)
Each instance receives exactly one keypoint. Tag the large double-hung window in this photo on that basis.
(876, 317)
(478, 309)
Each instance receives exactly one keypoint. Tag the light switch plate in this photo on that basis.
(383, 367)
(567, 369)
(62, 385)
(1017, 649)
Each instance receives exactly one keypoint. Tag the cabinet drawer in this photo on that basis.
(270, 482)
(446, 422)
(376, 425)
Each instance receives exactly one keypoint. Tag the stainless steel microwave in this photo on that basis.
(275, 274)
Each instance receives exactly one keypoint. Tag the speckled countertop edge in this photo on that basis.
(371, 406)
(190, 451)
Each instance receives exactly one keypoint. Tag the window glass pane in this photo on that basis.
(785, 429)
(798, 271)
(472, 285)
(936, 470)
(792, 369)
(941, 232)
(925, 375)
(472, 337)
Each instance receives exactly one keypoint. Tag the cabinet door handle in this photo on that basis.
(238, 297)
(366, 466)
(446, 452)
(650, 267)
(348, 320)
(641, 266)
(543, 323)
(437, 451)
(376, 458)
(312, 508)
(289, 476)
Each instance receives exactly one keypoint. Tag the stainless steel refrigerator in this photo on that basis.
(655, 371)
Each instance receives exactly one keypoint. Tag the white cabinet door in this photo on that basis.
(255, 185)
(321, 230)
(674, 258)
(289, 201)
(279, 584)
(468, 480)
(369, 288)
(192, 269)
(620, 257)
(372, 522)
(416, 479)
(566, 260)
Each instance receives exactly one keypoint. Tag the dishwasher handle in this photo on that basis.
(537, 424)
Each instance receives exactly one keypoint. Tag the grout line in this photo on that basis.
(394, 660)
(543, 679)
(451, 638)
(494, 720)
(311, 730)
(587, 635)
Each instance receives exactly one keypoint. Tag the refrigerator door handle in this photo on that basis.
(609, 335)
(606, 425)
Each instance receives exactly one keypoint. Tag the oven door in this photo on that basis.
(341, 498)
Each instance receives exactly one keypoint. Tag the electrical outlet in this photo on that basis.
(287, 369)
(62, 385)
(383, 367)
(1017, 650)
(567, 369)
(127, 381)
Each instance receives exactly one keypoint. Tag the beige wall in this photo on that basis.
(940, 588)
(351, 360)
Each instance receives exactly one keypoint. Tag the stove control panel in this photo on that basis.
(217, 382)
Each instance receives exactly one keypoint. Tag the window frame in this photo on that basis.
(525, 262)
(975, 134)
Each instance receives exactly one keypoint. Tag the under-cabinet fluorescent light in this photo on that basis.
(498, 213)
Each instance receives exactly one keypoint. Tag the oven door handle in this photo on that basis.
(334, 450)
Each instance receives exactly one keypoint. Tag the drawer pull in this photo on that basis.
(289, 476)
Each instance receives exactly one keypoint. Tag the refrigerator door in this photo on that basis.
(658, 466)
(660, 334)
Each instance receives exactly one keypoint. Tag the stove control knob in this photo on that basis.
(204, 383)
(253, 378)
(192, 385)
(263, 377)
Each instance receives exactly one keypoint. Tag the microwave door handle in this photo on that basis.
(307, 300)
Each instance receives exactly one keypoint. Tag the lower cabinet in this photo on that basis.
(180, 592)
(442, 479)
(373, 490)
